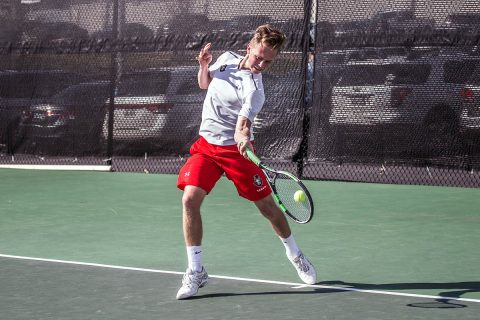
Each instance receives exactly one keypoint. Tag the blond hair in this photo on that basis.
(266, 34)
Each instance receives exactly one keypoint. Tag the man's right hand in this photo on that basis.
(204, 58)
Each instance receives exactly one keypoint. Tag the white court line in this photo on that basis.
(290, 284)
(57, 167)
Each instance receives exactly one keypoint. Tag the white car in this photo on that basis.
(158, 107)
(470, 115)
(415, 94)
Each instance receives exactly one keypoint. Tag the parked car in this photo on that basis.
(469, 75)
(70, 121)
(350, 28)
(19, 90)
(278, 127)
(9, 31)
(186, 31)
(400, 20)
(158, 110)
(39, 31)
(462, 22)
(414, 94)
(131, 31)
(235, 33)
(404, 21)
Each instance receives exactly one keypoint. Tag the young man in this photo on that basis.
(235, 95)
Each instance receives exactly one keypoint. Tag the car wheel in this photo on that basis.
(15, 136)
(441, 130)
(338, 141)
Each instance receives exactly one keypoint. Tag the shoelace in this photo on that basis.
(302, 263)
(189, 280)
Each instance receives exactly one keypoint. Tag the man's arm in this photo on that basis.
(242, 134)
(204, 59)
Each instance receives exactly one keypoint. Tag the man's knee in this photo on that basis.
(268, 208)
(192, 198)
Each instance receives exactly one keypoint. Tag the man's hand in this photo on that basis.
(204, 57)
(243, 145)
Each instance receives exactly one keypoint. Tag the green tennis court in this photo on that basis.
(97, 245)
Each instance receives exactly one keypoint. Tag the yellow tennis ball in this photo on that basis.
(299, 196)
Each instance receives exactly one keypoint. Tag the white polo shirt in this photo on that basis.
(231, 93)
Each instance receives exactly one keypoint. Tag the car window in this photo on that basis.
(327, 59)
(463, 72)
(144, 84)
(34, 86)
(188, 86)
(80, 92)
(364, 75)
(364, 55)
(410, 74)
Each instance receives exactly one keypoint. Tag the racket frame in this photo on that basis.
(271, 182)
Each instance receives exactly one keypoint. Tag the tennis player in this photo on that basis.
(235, 95)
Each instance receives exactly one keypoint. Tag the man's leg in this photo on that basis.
(192, 220)
(195, 277)
(272, 212)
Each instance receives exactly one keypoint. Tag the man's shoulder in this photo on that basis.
(230, 56)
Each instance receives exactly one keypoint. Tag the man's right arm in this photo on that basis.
(204, 77)
(204, 59)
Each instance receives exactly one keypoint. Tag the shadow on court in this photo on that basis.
(49, 290)
(397, 287)
(464, 286)
(446, 299)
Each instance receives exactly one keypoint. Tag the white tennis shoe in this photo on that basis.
(192, 281)
(305, 269)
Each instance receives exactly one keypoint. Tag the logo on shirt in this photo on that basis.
(222, 68)
(257, 180)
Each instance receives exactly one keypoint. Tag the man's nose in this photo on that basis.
(262, 64)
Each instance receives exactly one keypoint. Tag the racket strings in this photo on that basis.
(286, 188)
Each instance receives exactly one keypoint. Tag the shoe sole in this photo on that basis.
(203, 284)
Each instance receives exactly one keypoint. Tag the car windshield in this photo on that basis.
(463, 72)
(368, 75)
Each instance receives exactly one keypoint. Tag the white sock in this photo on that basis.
(194, 255)
(291, 247)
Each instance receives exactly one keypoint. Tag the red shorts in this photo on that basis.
(208, 162)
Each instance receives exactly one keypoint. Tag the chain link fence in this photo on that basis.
(377, 91)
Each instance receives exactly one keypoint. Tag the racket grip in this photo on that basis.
(253, 157)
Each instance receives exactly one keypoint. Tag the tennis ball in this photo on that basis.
(299, 196)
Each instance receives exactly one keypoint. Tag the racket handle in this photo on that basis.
(253, 157)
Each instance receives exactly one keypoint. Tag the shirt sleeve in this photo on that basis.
(253, 104)
(216, 65)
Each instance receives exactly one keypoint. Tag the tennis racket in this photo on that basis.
(284, 186)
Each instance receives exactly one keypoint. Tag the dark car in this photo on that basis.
(9, 31)
(70, 121)
(185, 31)
(131, 31)
(400, 20)
(462, 22)
(235, 33)
(39, 31)
(19, 90)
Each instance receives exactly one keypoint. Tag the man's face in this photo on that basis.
(260, 57)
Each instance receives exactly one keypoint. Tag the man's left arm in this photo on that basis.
(242, 134)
